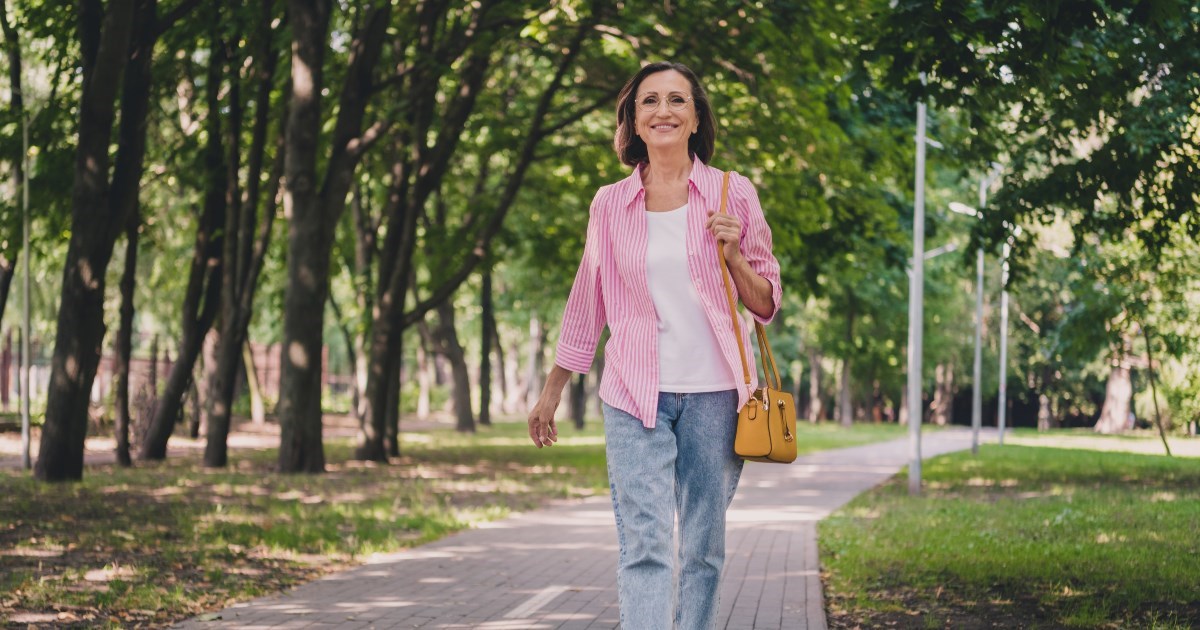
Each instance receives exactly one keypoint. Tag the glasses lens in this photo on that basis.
(648, 102)
(676, 101)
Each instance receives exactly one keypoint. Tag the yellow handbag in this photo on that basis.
(766, 428)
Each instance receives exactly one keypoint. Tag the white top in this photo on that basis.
(689, 359)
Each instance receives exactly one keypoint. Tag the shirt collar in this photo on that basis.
(704, 178)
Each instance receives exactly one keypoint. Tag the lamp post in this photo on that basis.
(1011, 232)
(916, 310)
(977, 392)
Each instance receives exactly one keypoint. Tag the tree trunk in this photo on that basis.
(598, 369)
(6, 370)
(300, 448)
(245, 247)
(579, 400)
(314, 212)
(845, 403)
(258, 408)
(939, 412)
(902, 416)
(514, 391)
(501, 393)
(424, 380)
(208, 368)
(1114, 415)
(95, 224)
(202, 298)
(12, 47)
(535, 365)
(815, 409)
(485, 349)
(124, 345)
(8, 270)
(392, 434)
(152, 378)
(877, 402)
(446, 336)
(1045, 416)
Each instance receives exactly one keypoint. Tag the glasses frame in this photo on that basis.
(642, 108)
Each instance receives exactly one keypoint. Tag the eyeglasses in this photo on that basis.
(676, 101)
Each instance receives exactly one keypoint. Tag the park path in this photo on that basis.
(555, 568)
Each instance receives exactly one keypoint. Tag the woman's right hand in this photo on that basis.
(542, 429)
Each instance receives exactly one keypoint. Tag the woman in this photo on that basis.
(671, 385)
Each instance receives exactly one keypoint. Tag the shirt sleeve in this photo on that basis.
(756, 239)
(583, 317)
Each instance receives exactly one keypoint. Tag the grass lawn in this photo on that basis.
(160, 542)
(1021, 537)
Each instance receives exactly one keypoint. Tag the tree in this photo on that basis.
(1093, 104)
(98, 215)
(247, 235)
(200, 303)
(314, 207)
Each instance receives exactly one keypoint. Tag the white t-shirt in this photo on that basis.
(689, 359)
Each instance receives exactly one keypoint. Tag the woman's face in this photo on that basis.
(666, 113)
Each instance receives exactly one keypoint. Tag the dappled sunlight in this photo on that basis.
(299, 496)
(522, 624)
(981, 482)
(776, 515)
(50, 551)
(297, 355)
(1142, 444)
(563, 441)
(230, 490)
(258, 520)
(110, 573)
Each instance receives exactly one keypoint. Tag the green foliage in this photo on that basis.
(1093, 104)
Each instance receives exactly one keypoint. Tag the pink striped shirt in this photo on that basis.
(611, 287)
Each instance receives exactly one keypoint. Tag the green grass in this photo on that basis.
(160, 542)
(811, 438)
(1022, 537)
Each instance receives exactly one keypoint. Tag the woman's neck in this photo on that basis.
(671, 166)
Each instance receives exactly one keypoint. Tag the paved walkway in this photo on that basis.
(555, 568)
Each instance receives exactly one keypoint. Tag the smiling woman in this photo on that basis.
(650, 273)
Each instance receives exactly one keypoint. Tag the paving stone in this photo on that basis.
(555, 568)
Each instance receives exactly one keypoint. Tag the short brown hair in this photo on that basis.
(632, 149)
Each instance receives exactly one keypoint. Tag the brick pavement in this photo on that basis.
(554, 568)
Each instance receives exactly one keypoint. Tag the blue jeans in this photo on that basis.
(686, 464)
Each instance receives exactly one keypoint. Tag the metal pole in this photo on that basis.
(1003, 404)
(977, 389)
(25, 358)
(916, 310)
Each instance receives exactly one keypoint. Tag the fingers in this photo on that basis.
(542, 433)
(723, 226)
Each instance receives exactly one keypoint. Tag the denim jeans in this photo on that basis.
(686, 464)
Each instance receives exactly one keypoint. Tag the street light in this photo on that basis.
(977, 392)
(916, 310)
(1011, 231)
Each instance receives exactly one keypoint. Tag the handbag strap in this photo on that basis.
(764, 347)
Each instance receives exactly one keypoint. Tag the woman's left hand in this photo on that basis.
(727, 229)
